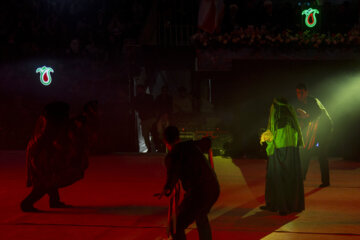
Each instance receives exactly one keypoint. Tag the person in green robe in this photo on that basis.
(284, 190)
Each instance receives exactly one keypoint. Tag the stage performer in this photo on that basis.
(284, 190)
(57, 154)
(317, 129)
(41, 156)
(187, 163)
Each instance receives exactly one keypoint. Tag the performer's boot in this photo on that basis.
(59, 205)
(27, 205)
(54, 199)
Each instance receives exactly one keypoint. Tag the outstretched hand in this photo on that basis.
(302, 113)
(161, 194)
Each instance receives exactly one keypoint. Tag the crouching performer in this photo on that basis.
(284, 190)
(187, 163)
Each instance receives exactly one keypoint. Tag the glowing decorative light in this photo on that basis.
(45, 77)
(310, 18)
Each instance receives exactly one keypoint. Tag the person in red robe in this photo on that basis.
(41, 163)
(57, 154)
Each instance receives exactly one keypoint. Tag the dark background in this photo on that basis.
(241, 98)
(97, 48)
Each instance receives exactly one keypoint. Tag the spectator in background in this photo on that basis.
(345, 17)
(164, 102)
(182, 101)
(183, 109)
(144, 105)
(267, 15)
(288, 12)
(251, 12)
(231, 19)
(116, 36)
(74, 47)
(164, 105)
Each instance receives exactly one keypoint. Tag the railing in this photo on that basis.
(175, 35)
(176, 22)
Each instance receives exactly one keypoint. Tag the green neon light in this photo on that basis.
(45, 77)
(310, 15)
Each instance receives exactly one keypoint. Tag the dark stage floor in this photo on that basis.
(115, 201)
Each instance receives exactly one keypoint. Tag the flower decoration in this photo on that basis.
(259, 37)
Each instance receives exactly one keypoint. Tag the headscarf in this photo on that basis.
(281, 113)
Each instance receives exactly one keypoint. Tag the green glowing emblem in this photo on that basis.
(310, 18)
(45, 77)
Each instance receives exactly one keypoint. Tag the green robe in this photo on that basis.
(284, 190)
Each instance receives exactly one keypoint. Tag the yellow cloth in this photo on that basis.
(266, 136)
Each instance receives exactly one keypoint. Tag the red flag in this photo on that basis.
(210, 15)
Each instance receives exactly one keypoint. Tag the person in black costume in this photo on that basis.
(317, 128)
(187, 163)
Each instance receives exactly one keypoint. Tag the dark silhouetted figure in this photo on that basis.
(164, 105)
(41, 157)
(187, 163)
(57, 154)
(144, 105)
(317, 128)
(284, 190)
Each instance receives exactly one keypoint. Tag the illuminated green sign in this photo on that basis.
(45, 77)
(310, 18)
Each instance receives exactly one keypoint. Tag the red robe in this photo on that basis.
(59, 158)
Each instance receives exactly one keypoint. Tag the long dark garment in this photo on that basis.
(54, 160)
(284, 190)
(57, 153)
